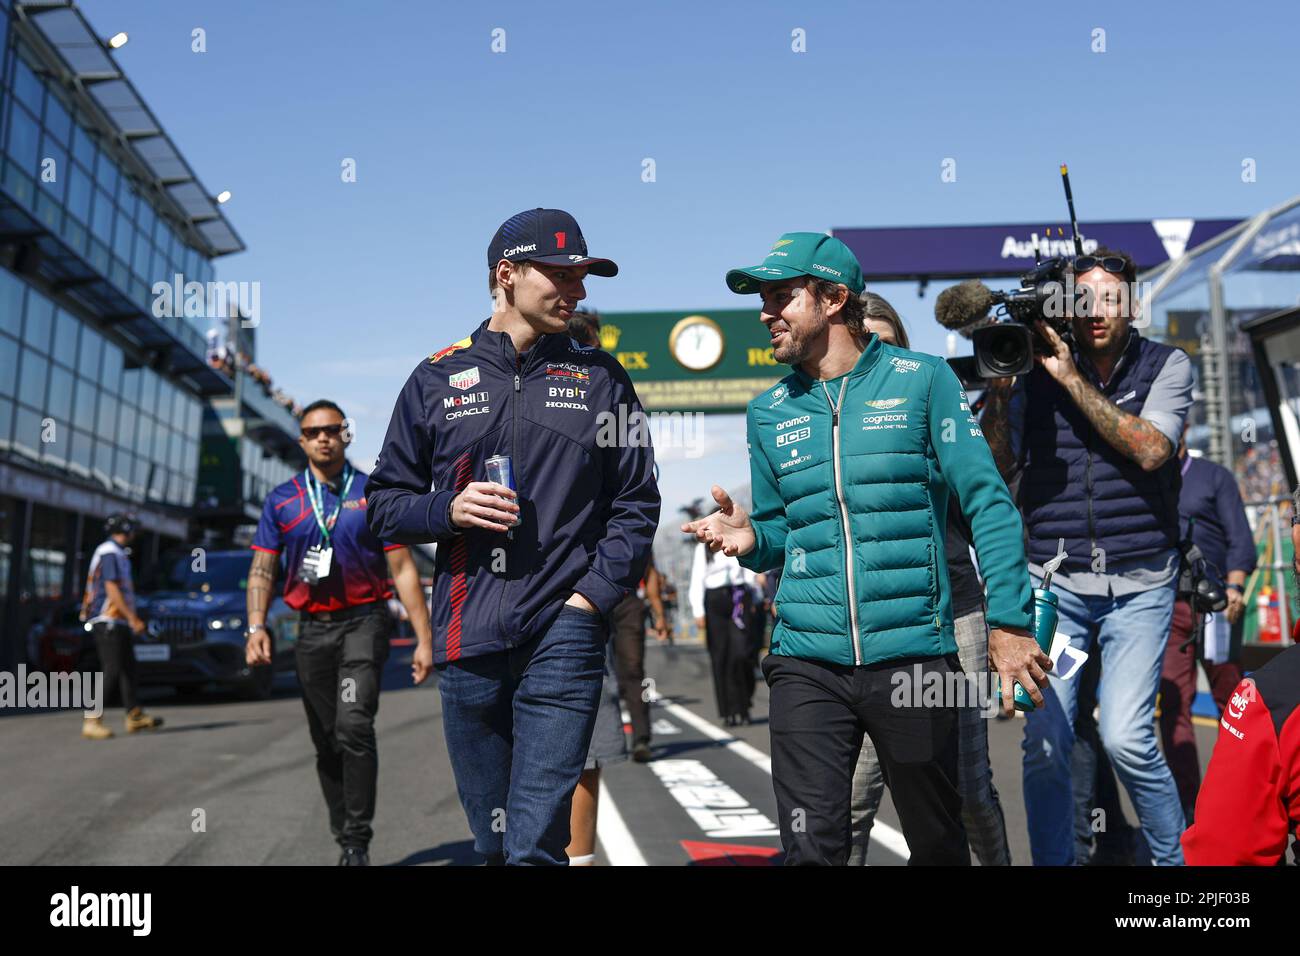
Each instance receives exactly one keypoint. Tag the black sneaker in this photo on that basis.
(354, 856)
(641, 752)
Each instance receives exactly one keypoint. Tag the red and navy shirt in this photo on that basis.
(359, 570)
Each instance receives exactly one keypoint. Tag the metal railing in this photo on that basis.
(1268, 518)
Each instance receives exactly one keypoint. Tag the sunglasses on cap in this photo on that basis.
(332, 430)
(1116, 265)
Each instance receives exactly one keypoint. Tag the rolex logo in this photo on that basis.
(609, 335)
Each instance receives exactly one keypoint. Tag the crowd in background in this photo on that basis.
(225, 358)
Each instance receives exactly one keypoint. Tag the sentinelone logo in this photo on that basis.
(74, 909)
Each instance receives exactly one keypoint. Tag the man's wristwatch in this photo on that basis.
(253, 629)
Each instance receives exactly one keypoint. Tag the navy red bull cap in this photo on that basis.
(549, 236)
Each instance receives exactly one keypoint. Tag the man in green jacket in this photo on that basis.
(854, 458)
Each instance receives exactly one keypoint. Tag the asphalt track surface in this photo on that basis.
(233, 782)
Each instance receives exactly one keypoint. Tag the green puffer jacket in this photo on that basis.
(877, 473)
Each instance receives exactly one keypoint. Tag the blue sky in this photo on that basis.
(750, 140)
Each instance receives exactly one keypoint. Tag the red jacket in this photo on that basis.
(1250, 801)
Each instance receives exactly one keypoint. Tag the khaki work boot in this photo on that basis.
(92, 728)
(137, 719)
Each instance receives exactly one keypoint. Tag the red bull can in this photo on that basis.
(500, 471)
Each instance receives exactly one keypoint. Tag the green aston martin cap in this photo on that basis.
(801, 254)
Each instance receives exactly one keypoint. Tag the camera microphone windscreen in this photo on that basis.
(961, 305)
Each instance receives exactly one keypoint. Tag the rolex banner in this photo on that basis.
(693, 361)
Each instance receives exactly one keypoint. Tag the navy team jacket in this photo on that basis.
(567, 416)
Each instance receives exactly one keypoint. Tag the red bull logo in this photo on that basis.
(450, 350)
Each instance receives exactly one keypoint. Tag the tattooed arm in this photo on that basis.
(1130, 435)
(996, 425)
(261, 582)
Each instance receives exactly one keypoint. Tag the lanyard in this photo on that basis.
(315, 495)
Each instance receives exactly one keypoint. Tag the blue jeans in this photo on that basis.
(1130, 633)
(518, 725)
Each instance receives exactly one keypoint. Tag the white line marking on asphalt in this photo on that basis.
(613, 834)
(737, 747)
(881, 832)
(720, 811)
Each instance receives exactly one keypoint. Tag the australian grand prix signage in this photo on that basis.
(700, 361)
(959, 252)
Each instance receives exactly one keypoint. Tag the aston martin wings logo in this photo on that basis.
(782, 242)
(450, 349)
(883, 404)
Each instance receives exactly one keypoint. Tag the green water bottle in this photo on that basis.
(1044, 627)
(1044, 633)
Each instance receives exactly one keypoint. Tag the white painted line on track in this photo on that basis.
(881, 832)
(738, 747)
(614, 836)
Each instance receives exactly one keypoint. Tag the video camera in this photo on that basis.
(1006, 345)
(1199, 585)
(1198, 582)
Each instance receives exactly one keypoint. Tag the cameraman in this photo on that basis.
(1091, 434)
(1211, 502)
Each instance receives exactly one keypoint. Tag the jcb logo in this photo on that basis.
(787, 438)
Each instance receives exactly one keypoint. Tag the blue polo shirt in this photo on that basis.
(359, 571)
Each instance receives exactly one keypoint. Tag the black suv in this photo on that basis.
(195, 618)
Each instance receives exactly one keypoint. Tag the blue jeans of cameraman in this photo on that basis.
(518, 724)
(1130, 633)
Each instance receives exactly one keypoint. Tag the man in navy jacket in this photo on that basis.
(526, 577)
